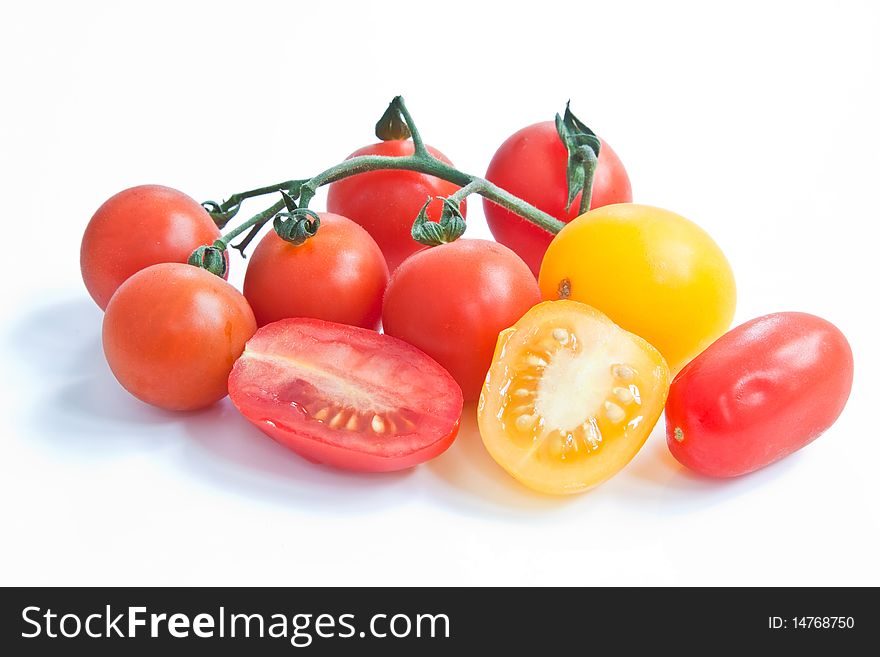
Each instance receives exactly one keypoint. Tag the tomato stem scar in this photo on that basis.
(678, 434)
(564, 289)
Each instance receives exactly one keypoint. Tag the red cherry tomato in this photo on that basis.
(346, 396)
(387, 202)
(338, 275)
(758, 393)
(171, 334)
(139, 227)
(532, 164)
(452, 300)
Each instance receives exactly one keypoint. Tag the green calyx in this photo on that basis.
(220, 215)
(392, 124)
(583, 148)
(211, 258)
(433, 233)
(296, 225)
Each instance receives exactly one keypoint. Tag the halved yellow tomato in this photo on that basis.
(570, 398)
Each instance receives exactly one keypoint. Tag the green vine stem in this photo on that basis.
(419, 145)
(473, 187)
(223, 213)
(420, 161)
(590, 162)
(254, 224)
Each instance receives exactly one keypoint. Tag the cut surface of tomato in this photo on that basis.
(570, 398)
(346, 396)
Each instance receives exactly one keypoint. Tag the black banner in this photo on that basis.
(423, 621)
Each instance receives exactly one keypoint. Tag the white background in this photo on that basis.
(759, 121)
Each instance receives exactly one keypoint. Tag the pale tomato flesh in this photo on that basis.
(346, 396)
(570, 397)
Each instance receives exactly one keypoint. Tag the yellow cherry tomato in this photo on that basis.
(570, 397)
(651, 271)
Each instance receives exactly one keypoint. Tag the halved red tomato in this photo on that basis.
(346, 396)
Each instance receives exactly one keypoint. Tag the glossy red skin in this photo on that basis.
(139, 227)
(338, 275)
(760, 392)
(384, 364)
(452, 301)
(532, 165)
(171, 334)
(387, 202)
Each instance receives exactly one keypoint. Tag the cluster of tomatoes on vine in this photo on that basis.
(567, 330)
